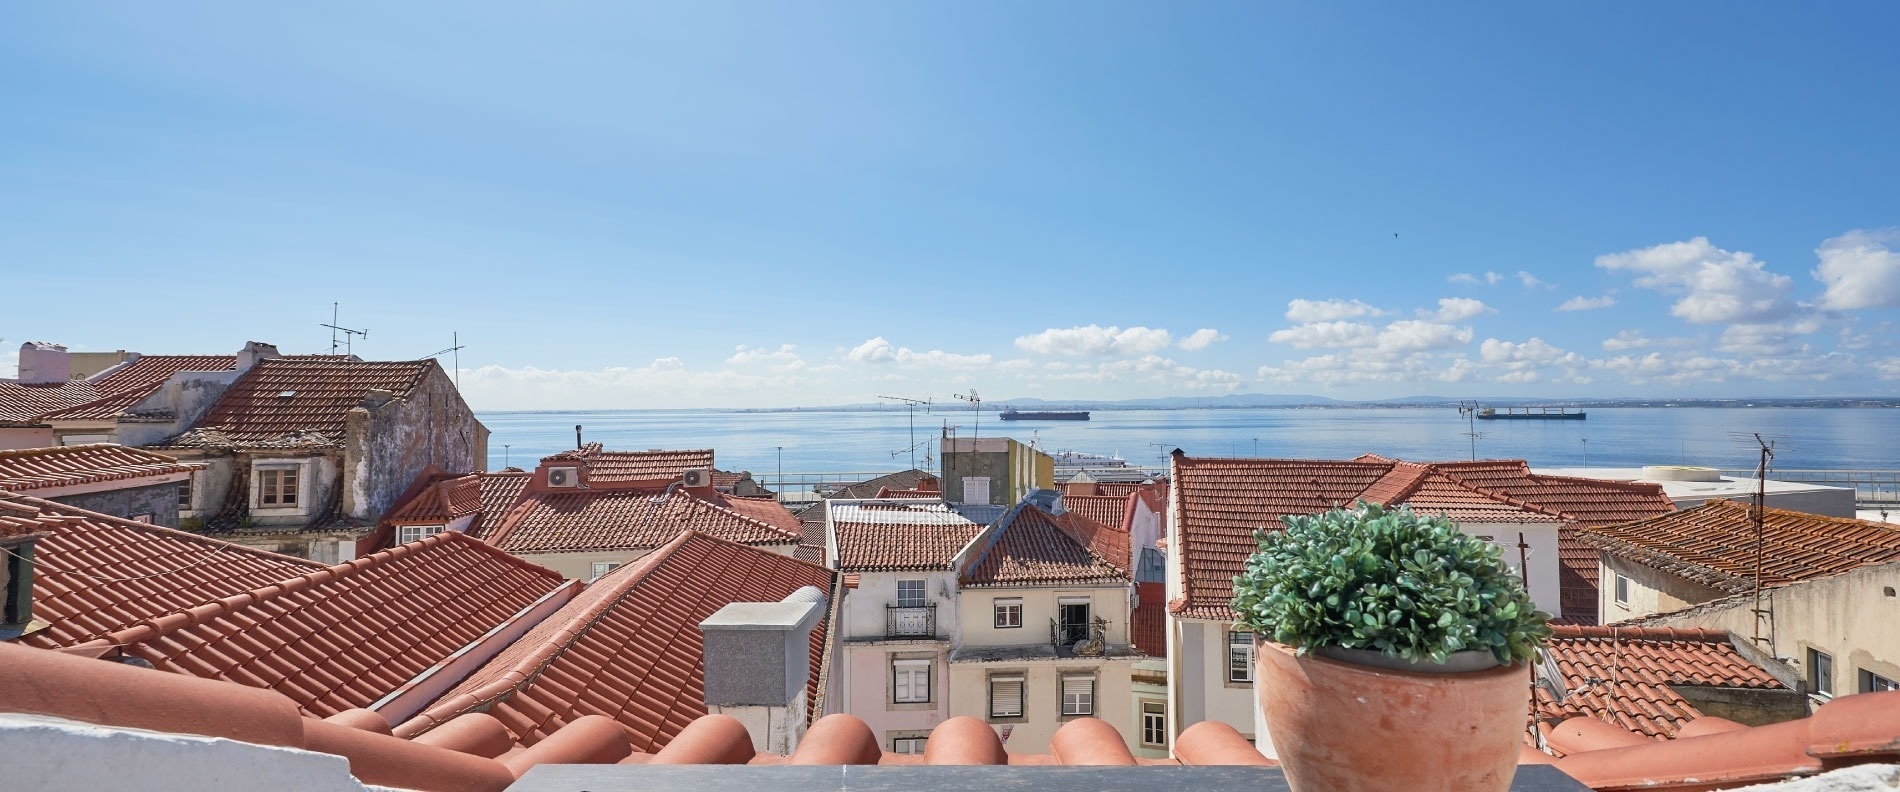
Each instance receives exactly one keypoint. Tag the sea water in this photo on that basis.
(813, 441)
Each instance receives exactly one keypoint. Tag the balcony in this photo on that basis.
(910, 621)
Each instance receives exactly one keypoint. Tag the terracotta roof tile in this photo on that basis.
(22, 405)
(1714, 544)
(27, 469)
(624, 519)
(98, 574)
(622, 466)
(124, 386)
(1109, 510)
(444, 499)
(292, 401)
(1223, 501)
(344, 636)
(869, 488)
(1624, 675)
(629, 646)
(1148, 627)
(1034, 547)
(893, 536)
(500, 491)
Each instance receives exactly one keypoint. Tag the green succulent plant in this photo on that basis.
(1409, 585)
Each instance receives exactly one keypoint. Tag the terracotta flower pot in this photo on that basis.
(1340, 727)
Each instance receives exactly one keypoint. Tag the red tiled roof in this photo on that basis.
(1714, 544)
(122, 387)
(22, 405)
(910, 494)
(500, 491)
(96, 574)
(624, 519)
(628, 647)
(1034, 547)
(1109, 510)
(445, 499)
(345, 636)
(1223, 501)
(298, 401)
(60, 466)
(889, 537)
(1624, 675)
(611, 466)
(869, 488)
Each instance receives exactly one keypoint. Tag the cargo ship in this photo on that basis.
(1010, 414)
(1529, 414)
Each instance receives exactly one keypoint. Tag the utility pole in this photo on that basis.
(1761, 502)
(780, 481)
(1586, 452)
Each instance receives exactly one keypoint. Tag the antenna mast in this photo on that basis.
(910, 406)
(455, 338)
(1761, 502)
(976, 404)
(349, 336)
(1468, 409)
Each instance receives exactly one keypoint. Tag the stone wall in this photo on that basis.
(158, 500)
(389, 441)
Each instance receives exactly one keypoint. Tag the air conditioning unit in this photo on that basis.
(697, 477)
(564, 477)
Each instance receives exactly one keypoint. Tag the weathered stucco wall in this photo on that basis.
(1853, 618)
(1651, 591)
(1040, 606)
(188, 395)
(158, 500)
(388, 444)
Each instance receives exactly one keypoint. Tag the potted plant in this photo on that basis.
(1392, 652)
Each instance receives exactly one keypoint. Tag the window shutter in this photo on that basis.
(1006, 697)
(1078, 695)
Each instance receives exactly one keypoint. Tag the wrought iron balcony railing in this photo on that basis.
(918, 621)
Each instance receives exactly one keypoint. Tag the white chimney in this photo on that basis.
(41, 362)
(757, 658)
(255, 352)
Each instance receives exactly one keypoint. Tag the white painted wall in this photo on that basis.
(1040, 605)
(1545, 586)
(1042, 698)
(55, 754)
(863, 611)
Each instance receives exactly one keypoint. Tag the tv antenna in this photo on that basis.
(1767, 450)
(910, 406)
(1468, 409)
(455, 339)
(976, 404)
(348, 335)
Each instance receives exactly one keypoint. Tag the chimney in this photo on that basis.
(929, 484)
(757, 658)
(16, 586)
(255, 352)
(41, 363)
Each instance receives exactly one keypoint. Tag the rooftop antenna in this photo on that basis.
(455, 339)
(1468, 409)
(910, 406)
(349, 336)
(976, 404)
(1767, 448)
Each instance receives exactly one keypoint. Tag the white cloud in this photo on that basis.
(743, 355)
(1155, 369)
(1717, 286)
(878, 350)
(1201, 339)
(1627, 339)
(1488, 278)
(1533, 354)
(1770, 338)
(1861, 270)
(1309, 311)
(1531, 281)
(1096, 340)
(1413, 335)
(1889, 369)
(666, 382)
(1457, 309)
(1582, 303)
(1326, 335)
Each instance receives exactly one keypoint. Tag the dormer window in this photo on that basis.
(277, 487)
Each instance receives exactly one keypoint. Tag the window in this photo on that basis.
(277, 487)
(184, 495)
(416, 533)
(1073, 615)
(1871, 682)
(1622, 590)
(1239, 656)
(1006, 696)
(1154, 724)
(910, 682)
(1009, 612)
(907, 745)
(1078, 695)
(910, 594)
(976, 489)
(1820, 673)
(601, 568)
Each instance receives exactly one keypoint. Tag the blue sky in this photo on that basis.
(776, 204)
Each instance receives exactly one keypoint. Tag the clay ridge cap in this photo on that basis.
(1641, 633)
(708, 503)
(1669, 563)
(1403, 480)
(1505, 499)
